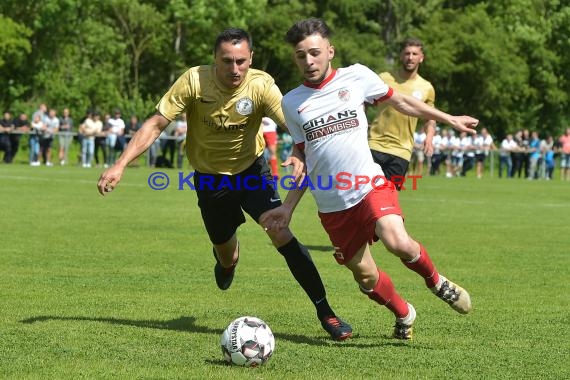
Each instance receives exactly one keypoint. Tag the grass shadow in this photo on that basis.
(188, 324)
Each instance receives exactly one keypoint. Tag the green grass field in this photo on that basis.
(122, 286)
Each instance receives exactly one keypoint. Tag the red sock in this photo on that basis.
(425, 268)
(385, 294)
(274, 169)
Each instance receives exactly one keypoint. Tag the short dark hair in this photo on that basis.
(411, 41)
(233, 35)
(305, 28)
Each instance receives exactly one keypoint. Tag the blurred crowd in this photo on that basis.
(48, 135)
(520, 155)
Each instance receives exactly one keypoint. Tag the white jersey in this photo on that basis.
(437, 144)
(478, 144)
(420, 139)
(330, 121)
(269, 125)
(117, 126)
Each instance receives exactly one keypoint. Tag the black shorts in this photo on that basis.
(392, 166)
(480, 157)
(223, 198)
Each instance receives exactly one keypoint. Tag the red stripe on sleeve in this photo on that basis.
(387, 96)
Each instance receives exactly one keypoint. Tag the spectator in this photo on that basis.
(79, 137)
(37, 127)
(468, 152)
(526, 153)
(131, 128)
(65, 135)
(101, 142)
(483, 144)
(180, 135)
(437, 156)
(508, 145)
(46, 137)
(42, 112)
(418, 155)
(533, 156)
(6, 127)
(21, 126)
(167, 146)
(446, 152)
(564, 141)
(518, 154)
(456, 154)
(91, 127)
(115, 140)
(547, 162)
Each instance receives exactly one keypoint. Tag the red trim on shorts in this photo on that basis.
(350, 229)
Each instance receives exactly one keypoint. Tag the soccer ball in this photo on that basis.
(247, 341)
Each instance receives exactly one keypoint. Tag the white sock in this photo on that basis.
(411, 317)
(437, 286)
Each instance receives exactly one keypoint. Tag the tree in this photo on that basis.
(14, 49)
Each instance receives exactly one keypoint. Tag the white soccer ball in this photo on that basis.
(247, 341)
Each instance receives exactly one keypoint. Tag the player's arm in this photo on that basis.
(139, 143)
(413, 107)
(430, 132)
(280, 217)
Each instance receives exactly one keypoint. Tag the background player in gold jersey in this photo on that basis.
(391, 137)
(224, 104)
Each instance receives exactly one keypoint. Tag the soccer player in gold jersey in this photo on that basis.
(391, 136)
(224, 104)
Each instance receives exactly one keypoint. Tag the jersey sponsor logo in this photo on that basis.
(221, 124)
(344, 94)
(330, 124)
(329, 120)
(244, 106)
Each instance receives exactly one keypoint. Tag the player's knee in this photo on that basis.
(399, 244)
(280, 238)
(366, 278)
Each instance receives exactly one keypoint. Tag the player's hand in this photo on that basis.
(109, 179)
(428, 148)
(275, 219)
(299, 170)
(464, 124)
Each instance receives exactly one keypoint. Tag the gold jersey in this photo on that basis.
(392, 132)
(224, 133)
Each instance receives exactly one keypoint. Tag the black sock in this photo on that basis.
(305, 272)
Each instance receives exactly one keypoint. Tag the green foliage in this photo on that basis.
(505, 62)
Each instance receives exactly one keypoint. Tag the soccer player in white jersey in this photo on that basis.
(325, 115)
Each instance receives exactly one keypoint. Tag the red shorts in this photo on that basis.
(350, 229)
(270, 138)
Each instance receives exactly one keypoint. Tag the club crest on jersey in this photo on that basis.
(418, 94)
(244, 106)
(344, 94)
